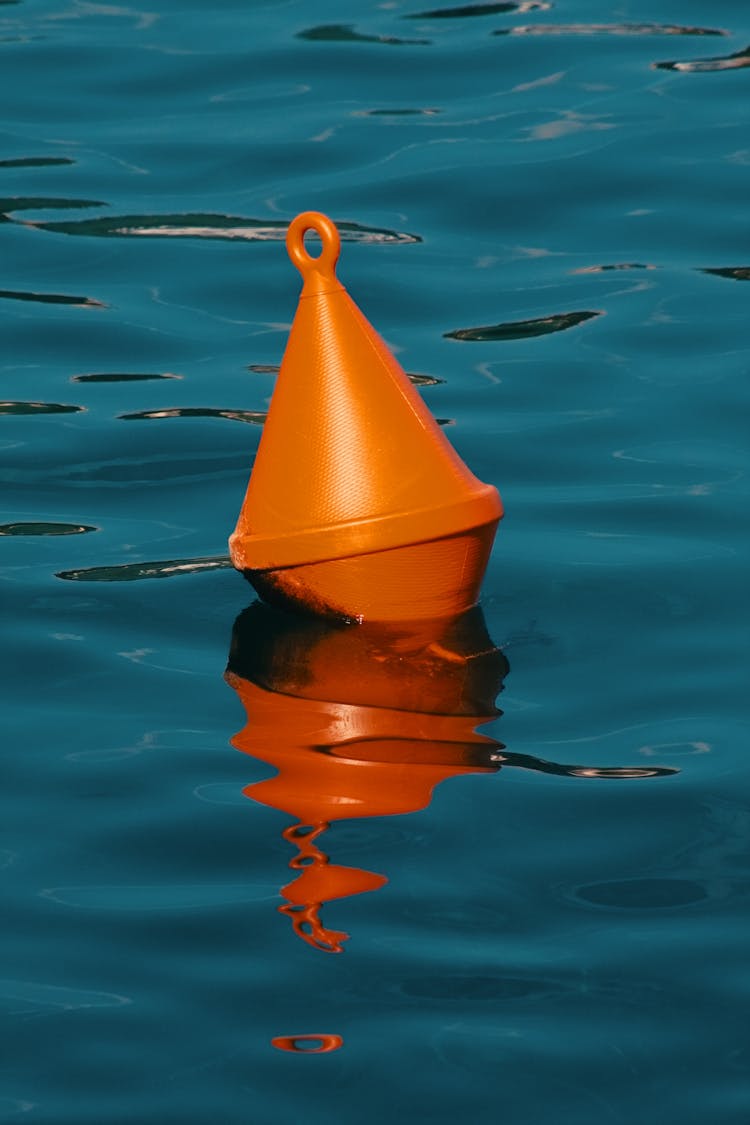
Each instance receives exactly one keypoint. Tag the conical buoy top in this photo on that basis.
(357, 506)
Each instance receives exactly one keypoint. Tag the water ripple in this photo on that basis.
(123, 472)
(478, 989)
(133, 572)
(56, 996)
(521, 329)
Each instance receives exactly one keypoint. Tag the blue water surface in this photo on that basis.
(548, 948)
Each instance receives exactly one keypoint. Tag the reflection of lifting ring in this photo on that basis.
(318, 1044)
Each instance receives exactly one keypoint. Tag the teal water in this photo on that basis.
(545, 211)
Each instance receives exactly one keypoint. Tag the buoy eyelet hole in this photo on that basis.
(311, 244)
(323, 263)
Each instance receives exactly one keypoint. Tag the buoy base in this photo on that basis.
(440, 578)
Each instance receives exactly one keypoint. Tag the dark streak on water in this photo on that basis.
(523, 329)
(426, 112)
(43, 203)
(134, 572)
(39, 408)
(469, 10)
(615, 266)
(736, 61)
(345, 33)
(45, 529)
(734, 273)
(34, 161)
(608, 29)
(256, 417)
(51, 299)
(206, 225)
(122, 377)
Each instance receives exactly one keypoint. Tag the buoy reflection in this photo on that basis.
(308, 1044)
(365, 720)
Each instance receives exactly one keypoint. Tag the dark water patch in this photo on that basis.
(466, 11)
(607, 29)
(736, 61)
(417, 379)
(134, 572)
(39, 408)
(209, 225)
(642, 894)
(34, 161)
(734, 273)
(558, 769)
(122, 376)
(45, 528)
(255, 417)
(42, 203)
(345, 33)
(521, 329)
(52, 299)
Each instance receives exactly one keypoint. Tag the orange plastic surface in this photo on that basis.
(358, 722)
(357, 502)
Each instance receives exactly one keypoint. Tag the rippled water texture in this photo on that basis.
(544, 210)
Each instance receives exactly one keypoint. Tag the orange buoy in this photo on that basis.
(358, 507)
